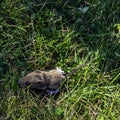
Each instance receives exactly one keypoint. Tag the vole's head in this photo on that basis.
(56, 77)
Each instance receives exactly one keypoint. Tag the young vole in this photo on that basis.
(48, 81)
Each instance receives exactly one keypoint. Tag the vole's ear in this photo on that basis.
(59, 70)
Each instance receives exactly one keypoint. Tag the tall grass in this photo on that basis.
(45, 34)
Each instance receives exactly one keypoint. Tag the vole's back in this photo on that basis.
(36, 80)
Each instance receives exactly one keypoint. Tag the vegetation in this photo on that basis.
(43, 34)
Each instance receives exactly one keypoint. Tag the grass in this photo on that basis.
(45, 34)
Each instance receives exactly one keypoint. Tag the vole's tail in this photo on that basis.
(75, 69)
